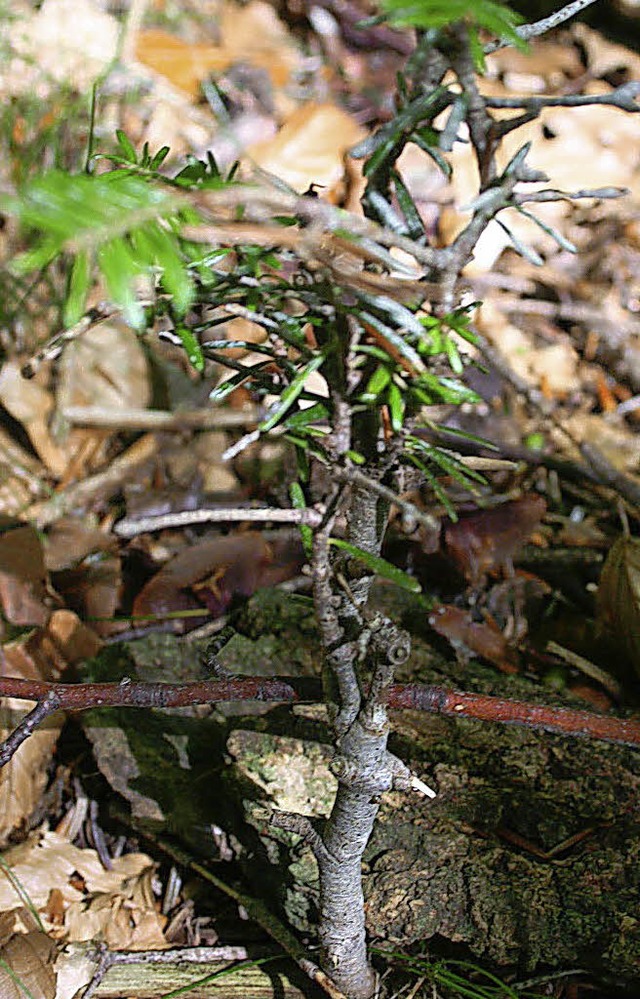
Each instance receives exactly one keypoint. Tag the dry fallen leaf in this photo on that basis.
(30, 404)
(125, 918)
(310, 148)
(40, 655)
(184, 65)
(251, 34)
(117, 904)
(23, 577)
(22, 477)
(26, 967)
(24, 777)
(211, 573)
(547, 64)
(618, 603)
(613, 438)
(555, 367)
(70, 540)
(73, 640)
(469, 637)
(603, 57)
(94, 590)
(487, 540)
(106, 367)
(217, 477)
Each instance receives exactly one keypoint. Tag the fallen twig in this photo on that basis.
(283, 689)
(130, 527)
(159, 419)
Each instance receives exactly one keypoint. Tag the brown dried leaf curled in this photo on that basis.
(26, 967)
(23, 577)
(488, 540)
(618, 603)
(211, 573)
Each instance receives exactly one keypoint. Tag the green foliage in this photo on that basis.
(126, 224)
(123, 223)
(485, 14)
(289, 395)
(299, 502)
(379, 566)
(454, 979)
(196, 173)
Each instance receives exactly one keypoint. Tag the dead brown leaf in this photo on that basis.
(41, 655)
(487, 540)
(218, 568)
(26, 967)
(116, 905)
(31, 404)
(310, 148)
(70, 540)
(93, 589)
(24, 777)
(618, 603)
(604, 57)
(212, 573)
(253, 34)
(70, 637)
(23, 577)
(469, 637)
(106, 367)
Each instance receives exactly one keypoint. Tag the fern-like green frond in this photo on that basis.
(125, 224)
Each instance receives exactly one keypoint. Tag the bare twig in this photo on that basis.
(302, 826)
(45, 707)
(255, 908)
(585, 666)
(541, 27)
(286, 689)
(53, 347)
(130, 527)
(601, 193)
(527, 31)
(624, 97)
(159, 420)
(414, 513)
(261, 204)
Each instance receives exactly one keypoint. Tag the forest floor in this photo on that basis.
(143, 830)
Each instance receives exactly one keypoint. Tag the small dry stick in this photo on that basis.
(129, 528)
(527, 31)
(186, 955)
(158, 419)
(53, 347)
(47, 706)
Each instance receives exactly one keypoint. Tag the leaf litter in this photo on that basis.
(569, 329)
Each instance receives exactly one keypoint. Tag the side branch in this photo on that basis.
(45, 707)
(541, 27)
(527, 31)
